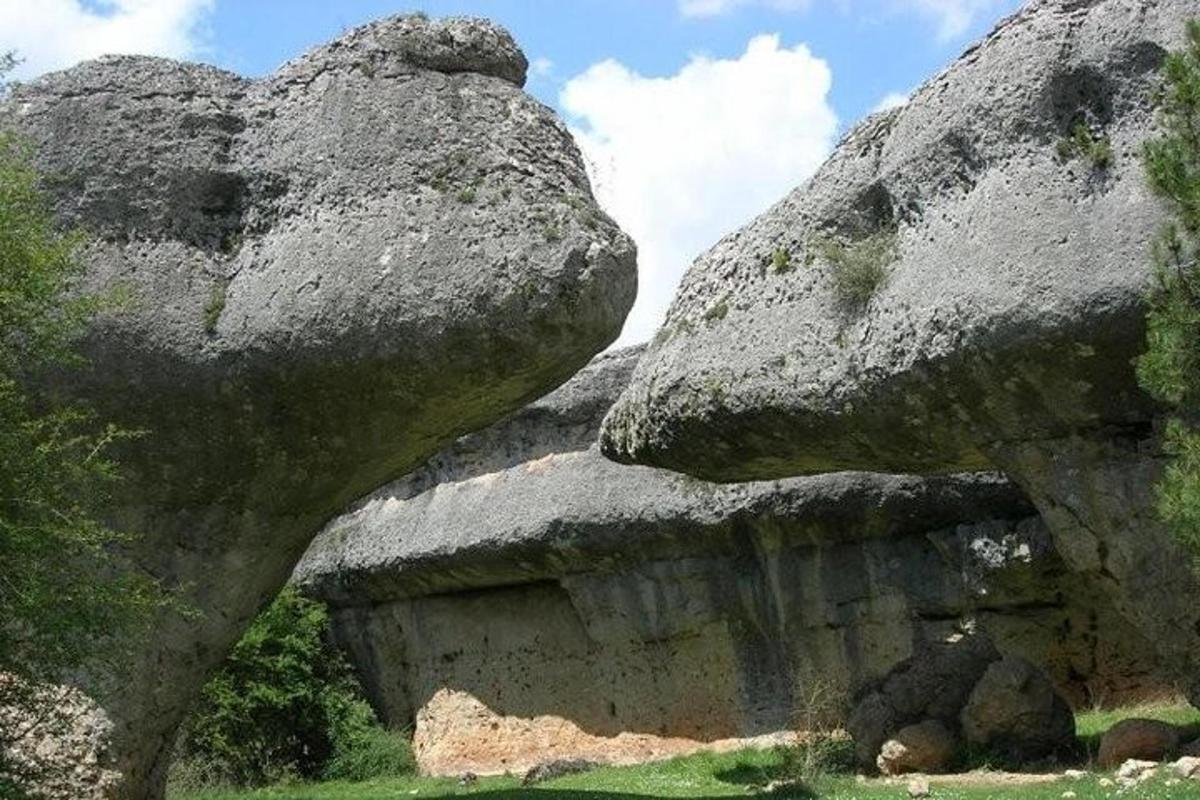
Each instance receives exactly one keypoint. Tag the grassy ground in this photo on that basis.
(708, 777)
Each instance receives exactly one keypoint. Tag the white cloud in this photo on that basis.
(889, 101)
(541, 67)
(680, 161)
(712, 8)
(952, 18)
(53, 34)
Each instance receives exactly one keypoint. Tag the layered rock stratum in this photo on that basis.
(1003, 223)
(322, 277)
(520, 598)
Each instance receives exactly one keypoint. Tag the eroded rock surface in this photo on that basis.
(326, 275)
(1002, 331)
(520, 598)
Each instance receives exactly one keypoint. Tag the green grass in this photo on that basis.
(704, 776)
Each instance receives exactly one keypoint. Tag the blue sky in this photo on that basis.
(693, 115)
(872, 51)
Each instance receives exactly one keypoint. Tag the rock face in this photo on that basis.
(999, 314)
(520, 599)
(325, 276)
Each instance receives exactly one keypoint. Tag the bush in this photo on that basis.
(285, 707)
(1170, 367)
(822, 746)
(372, 753)
(1082, 143)
(859, 267)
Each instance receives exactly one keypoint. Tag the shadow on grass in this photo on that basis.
(783, 793)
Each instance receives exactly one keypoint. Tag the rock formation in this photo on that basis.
(520, 598)
(324, 276)
(959, 287)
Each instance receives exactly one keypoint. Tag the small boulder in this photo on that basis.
(928, 746)
(1187, 767)
(1135, 771)
(1016, 712)
(1140, 739)
(919, 787)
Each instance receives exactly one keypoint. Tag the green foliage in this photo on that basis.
(718, 311)
(858, 267)
(1082, 143)
(1170, 367)
(466, 196)
(285, 706)
(372, 752)
(62, 585)
(215, 306)
(781, 261)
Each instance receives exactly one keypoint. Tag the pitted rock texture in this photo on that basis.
(520, 598)
(1003, 332)
(324, 276)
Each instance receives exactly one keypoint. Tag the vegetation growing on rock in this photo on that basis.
(1082, 143)
(1170, 368)
(859, 266)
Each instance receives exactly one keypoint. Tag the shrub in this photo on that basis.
(1170, 367)
(859, 267)
(371, 752)
(781, 261)
(285, 706)
(1082, 143)
(821, 745)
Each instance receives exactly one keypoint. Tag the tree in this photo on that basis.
(285, 705)
(62, 583)
(1170, 367)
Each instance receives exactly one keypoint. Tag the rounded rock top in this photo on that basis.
(450, 45)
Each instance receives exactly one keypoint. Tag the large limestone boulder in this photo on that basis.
(931, 685)
(520, 598)
(1015, 713)
(326, 274)
(992, 274)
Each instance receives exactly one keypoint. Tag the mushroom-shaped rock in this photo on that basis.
(661, 613)
(327, 274)
(960, 286)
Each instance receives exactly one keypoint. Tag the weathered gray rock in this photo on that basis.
(1015, 713)
(519, 589)
(933, 684)
(330, 273)
(1001, 334)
